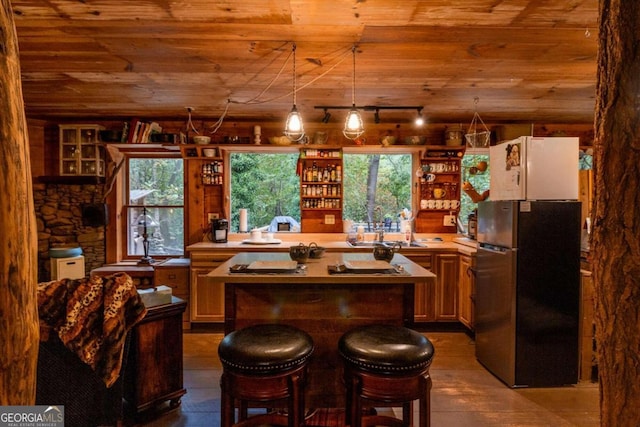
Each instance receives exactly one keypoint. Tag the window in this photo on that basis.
(156, 205)
(376, 181)
(478, 178)
(267, 186)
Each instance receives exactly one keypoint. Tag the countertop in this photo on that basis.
(316, 270)
(336, 242)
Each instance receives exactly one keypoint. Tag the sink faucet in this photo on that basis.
(379, 229)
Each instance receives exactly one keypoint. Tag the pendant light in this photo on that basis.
(293, 129)
(353, 126)
(419, 119)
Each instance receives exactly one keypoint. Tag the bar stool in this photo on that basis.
(264, 363)
(386, 364)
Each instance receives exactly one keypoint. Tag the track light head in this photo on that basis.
(376, 116)
(326, 117)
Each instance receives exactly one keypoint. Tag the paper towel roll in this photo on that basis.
(243, 221)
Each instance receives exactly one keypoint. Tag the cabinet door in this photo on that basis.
(424, 294)
(80, 151)
(446, 270)
(207, 297)
(177, 278)
(466, 289)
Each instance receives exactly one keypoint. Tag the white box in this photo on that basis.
(159, 295)
(67, 268)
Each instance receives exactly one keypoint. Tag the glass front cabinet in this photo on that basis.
(81, 153)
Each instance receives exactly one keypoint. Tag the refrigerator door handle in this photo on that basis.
(493, 248)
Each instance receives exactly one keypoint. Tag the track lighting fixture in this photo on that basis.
(326, 117)
(376, 111)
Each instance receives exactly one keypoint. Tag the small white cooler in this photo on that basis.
(67, 268)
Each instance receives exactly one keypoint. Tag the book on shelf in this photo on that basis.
(132, 130)
(140, 131)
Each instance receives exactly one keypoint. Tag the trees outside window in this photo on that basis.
(376, 180)
(155, 196)
(268, 186)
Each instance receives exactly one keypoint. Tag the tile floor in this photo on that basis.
(464, 393)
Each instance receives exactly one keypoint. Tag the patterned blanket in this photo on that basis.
(91, 316)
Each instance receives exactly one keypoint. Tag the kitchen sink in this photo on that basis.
(366, 243)
(389, 243)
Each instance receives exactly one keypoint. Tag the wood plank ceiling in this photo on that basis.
(525, 60)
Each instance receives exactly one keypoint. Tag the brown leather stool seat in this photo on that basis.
(386, 364)
(264, 364)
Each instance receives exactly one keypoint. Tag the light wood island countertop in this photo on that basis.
(316, 270)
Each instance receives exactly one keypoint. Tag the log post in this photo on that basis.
(616, 222)
(19, 333)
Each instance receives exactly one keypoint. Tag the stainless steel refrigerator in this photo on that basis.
(528, 291)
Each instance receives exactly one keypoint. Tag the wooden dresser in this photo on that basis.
(154, 363)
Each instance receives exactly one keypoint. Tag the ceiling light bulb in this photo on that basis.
(353, 126)
(354, 121)
(419, 119)
(293, 128)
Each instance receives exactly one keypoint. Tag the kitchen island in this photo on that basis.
(324, 305)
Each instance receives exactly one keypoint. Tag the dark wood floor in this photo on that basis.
(464, 393)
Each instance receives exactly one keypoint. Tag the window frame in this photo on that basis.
(125, 205)
(415, 151)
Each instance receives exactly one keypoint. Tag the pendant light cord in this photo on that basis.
(353, 81)
(294, 74)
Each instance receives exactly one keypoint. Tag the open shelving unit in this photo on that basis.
(321, 189)
(439, 188)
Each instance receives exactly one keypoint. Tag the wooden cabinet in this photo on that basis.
(321, 190)
(153, 372)
(440, 302)
(439, 189)
(174, 273)
(466, 290)
(80, 151)
(207, 296)
(446, 270)
(424, 293)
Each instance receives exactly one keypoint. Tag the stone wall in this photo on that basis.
(59, 219)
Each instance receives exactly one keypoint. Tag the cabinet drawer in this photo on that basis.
(175, 278)
(210, 260)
